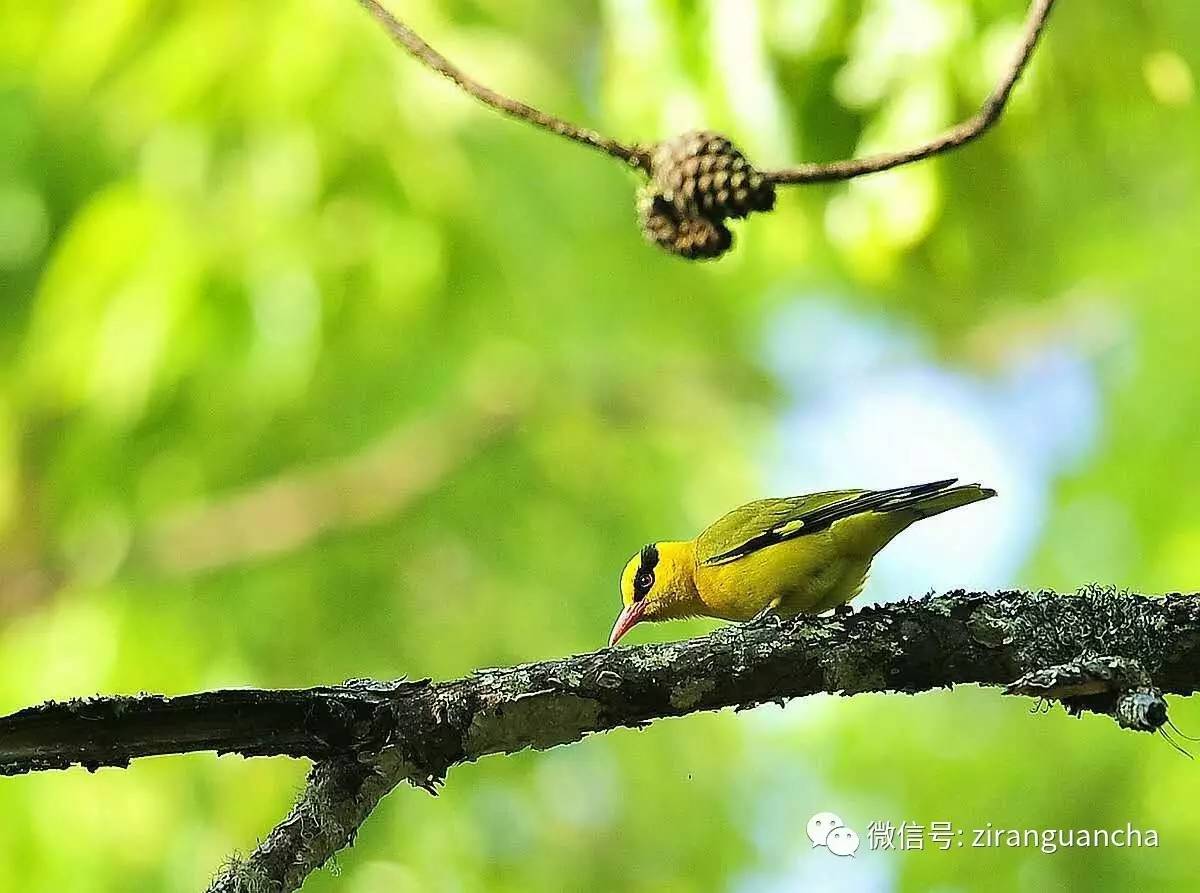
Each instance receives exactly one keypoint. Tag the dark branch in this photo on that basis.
(641, 156)
(963, 133)
(699, 179)
(424, 53)
(990, 639)
(368, 737)
(317, 723)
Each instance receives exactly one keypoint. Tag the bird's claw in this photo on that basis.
(767, 617)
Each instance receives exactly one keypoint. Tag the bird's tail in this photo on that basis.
(927, 500)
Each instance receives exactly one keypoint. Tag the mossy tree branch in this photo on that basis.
(1097, 650)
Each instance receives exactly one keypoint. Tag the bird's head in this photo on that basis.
(655, 585)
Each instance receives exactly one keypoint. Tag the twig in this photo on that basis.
(641, 157)
(287, 512)
(424, 53)
(369, 737)
(700, 179)
(959, 135)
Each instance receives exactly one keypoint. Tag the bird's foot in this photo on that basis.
(842, 610)
(767, 618)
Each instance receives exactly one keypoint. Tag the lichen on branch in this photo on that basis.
(1099, 650)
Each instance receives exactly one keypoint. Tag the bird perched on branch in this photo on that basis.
(799, 555)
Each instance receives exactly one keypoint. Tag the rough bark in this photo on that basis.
(367, 736)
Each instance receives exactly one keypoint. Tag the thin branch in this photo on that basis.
(287, 512)
(968, 130)
(369, 737)
(641, 157)
(431, 58)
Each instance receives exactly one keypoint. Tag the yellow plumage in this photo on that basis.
(799, 555)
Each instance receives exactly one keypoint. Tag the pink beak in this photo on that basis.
(626, 621)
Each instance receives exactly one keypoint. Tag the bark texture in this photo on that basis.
(1099, 650)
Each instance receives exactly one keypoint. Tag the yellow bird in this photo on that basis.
(799, 555)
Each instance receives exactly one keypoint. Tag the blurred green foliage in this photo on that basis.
(312, 369)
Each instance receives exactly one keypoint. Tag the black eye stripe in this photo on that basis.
(649, 558)
(643, 580)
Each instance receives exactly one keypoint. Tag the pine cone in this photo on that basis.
(697, 181)
(704, 175)
(695, 238)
